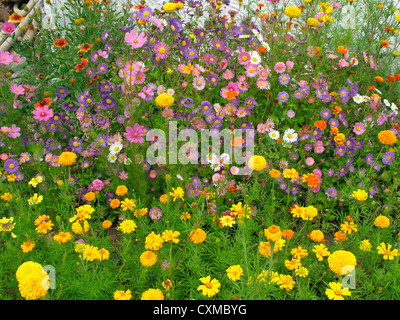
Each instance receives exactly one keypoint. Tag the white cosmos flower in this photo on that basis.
(116, 147)
(386, 102)
(394, 107)
(127, 161)
(211, 158)
(290, 136)
(274, 134)
(255, 57)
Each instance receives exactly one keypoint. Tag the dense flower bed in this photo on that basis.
(246, 157)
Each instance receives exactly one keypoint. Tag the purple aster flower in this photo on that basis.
(190, 53)
(295, 189)
(284, 79)
(330, 172)
(290, 114)
(213, 79)
(376, 167)
(369, 159)
(19, 176)
(11, 166)
(340, 150)
(105, 35)
(62, 92)
(372, 190)
(342, 171)
(331, 192)
(283, 96)
(102, 68)
(316, 134)
(283, 185)
(326, 113)
(388, 158)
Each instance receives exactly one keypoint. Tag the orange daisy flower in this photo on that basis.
(16, 18)
(43, 103)
(85, 47)
(81, 65)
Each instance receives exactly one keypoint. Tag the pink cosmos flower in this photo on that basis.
(13, 131)
(135, 134)
(43, 113)
(290, 64)
(134, 40)
(17, 90)
(8, 27)
(5, 57)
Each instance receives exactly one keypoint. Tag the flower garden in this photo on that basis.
(98, 202)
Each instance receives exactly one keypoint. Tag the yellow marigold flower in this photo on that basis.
(240, 210)
(6, 224)
(185, 216)
(82, 213)
(387, 137)
(348, 227)
(293, 12)
(43, 224)
(285, 282)
(77, 228)
(312, 22)
(35, 199)
(6, 196)
(169, 7)
(67, 158)
(365, 245)
(257, 163)
(342, 262)
(27, 246)
(154, 241)
(360, 195)
(148, 258)
(321, 251)
(384, 249)
(265, 247)
(123, 295)
(297, 211)
(197, 236)
(164, 100)
(33, 282)
(121, 191)
(169, 235)
(292, 264)
(273, 277)
(301, 272)
(79, 247)
(234, 272)
(316, 235)
(106, 224)
(128, 204)
(103, 254)
(291, 174)
(209, 287)
(309, 213)
(336, 292)
(275, 174)
(273, 233)
(164, 198)
(62, 237)
(152, 294)
(382, 222)
(90, 253)
(340, 138)
(299, 252)
(90, 196)
(397, 17)
(127, 226)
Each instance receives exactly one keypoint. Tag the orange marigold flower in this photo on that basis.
(288, 234)
(334, 130)
(397, 77)
(379, 79)
(371, 88)
(321, 124)
(390, 79)
(336, 109)
(340, 236)
(384, 43)
(387, 137)
(312, 180)
(115, 203)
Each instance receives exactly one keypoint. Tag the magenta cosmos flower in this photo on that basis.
(8, 27)
(43, 113)
(135, 134)
(134, 40)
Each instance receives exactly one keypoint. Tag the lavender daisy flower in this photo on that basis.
(102, 68)
(283, 96)
(372, 190)
(155, 213)
(388, 158)
(11, 166)
(19, 176)
(342, 171)
(62, 92)
(331, 192)
(326, 113)
(361, 172)
(340, 150)
(376, 167)
(369, 159)
(294, 189)
(105, 35)
(290, 114)
(284, 79)
(283, 185)
(330, 172)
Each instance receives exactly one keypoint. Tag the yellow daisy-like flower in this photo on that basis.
(234, 272)
(336, 292)
(43, 224)
(67, 158)
(388, 254)
(342, 262)
(35, 199)
(177, 193)
(127, 226)
(90, 253)
(148, 258)
(128, 204)
(227, 221)
(164, 100)
(299, 252)
(35, 181)
(293, 264)
(301, 272)
(6, 224)
(321, 251)
(77, 228)
(82, 213)
(365, 245)
(123, 295)
(360, 195)
(62, 237)
(348, 227)
(291, 174)
(27, 246)
(103, 254)
(382, 222)
(172, 236)
(286, 282)
(209, 287)
(185, 216)
(152, 294)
